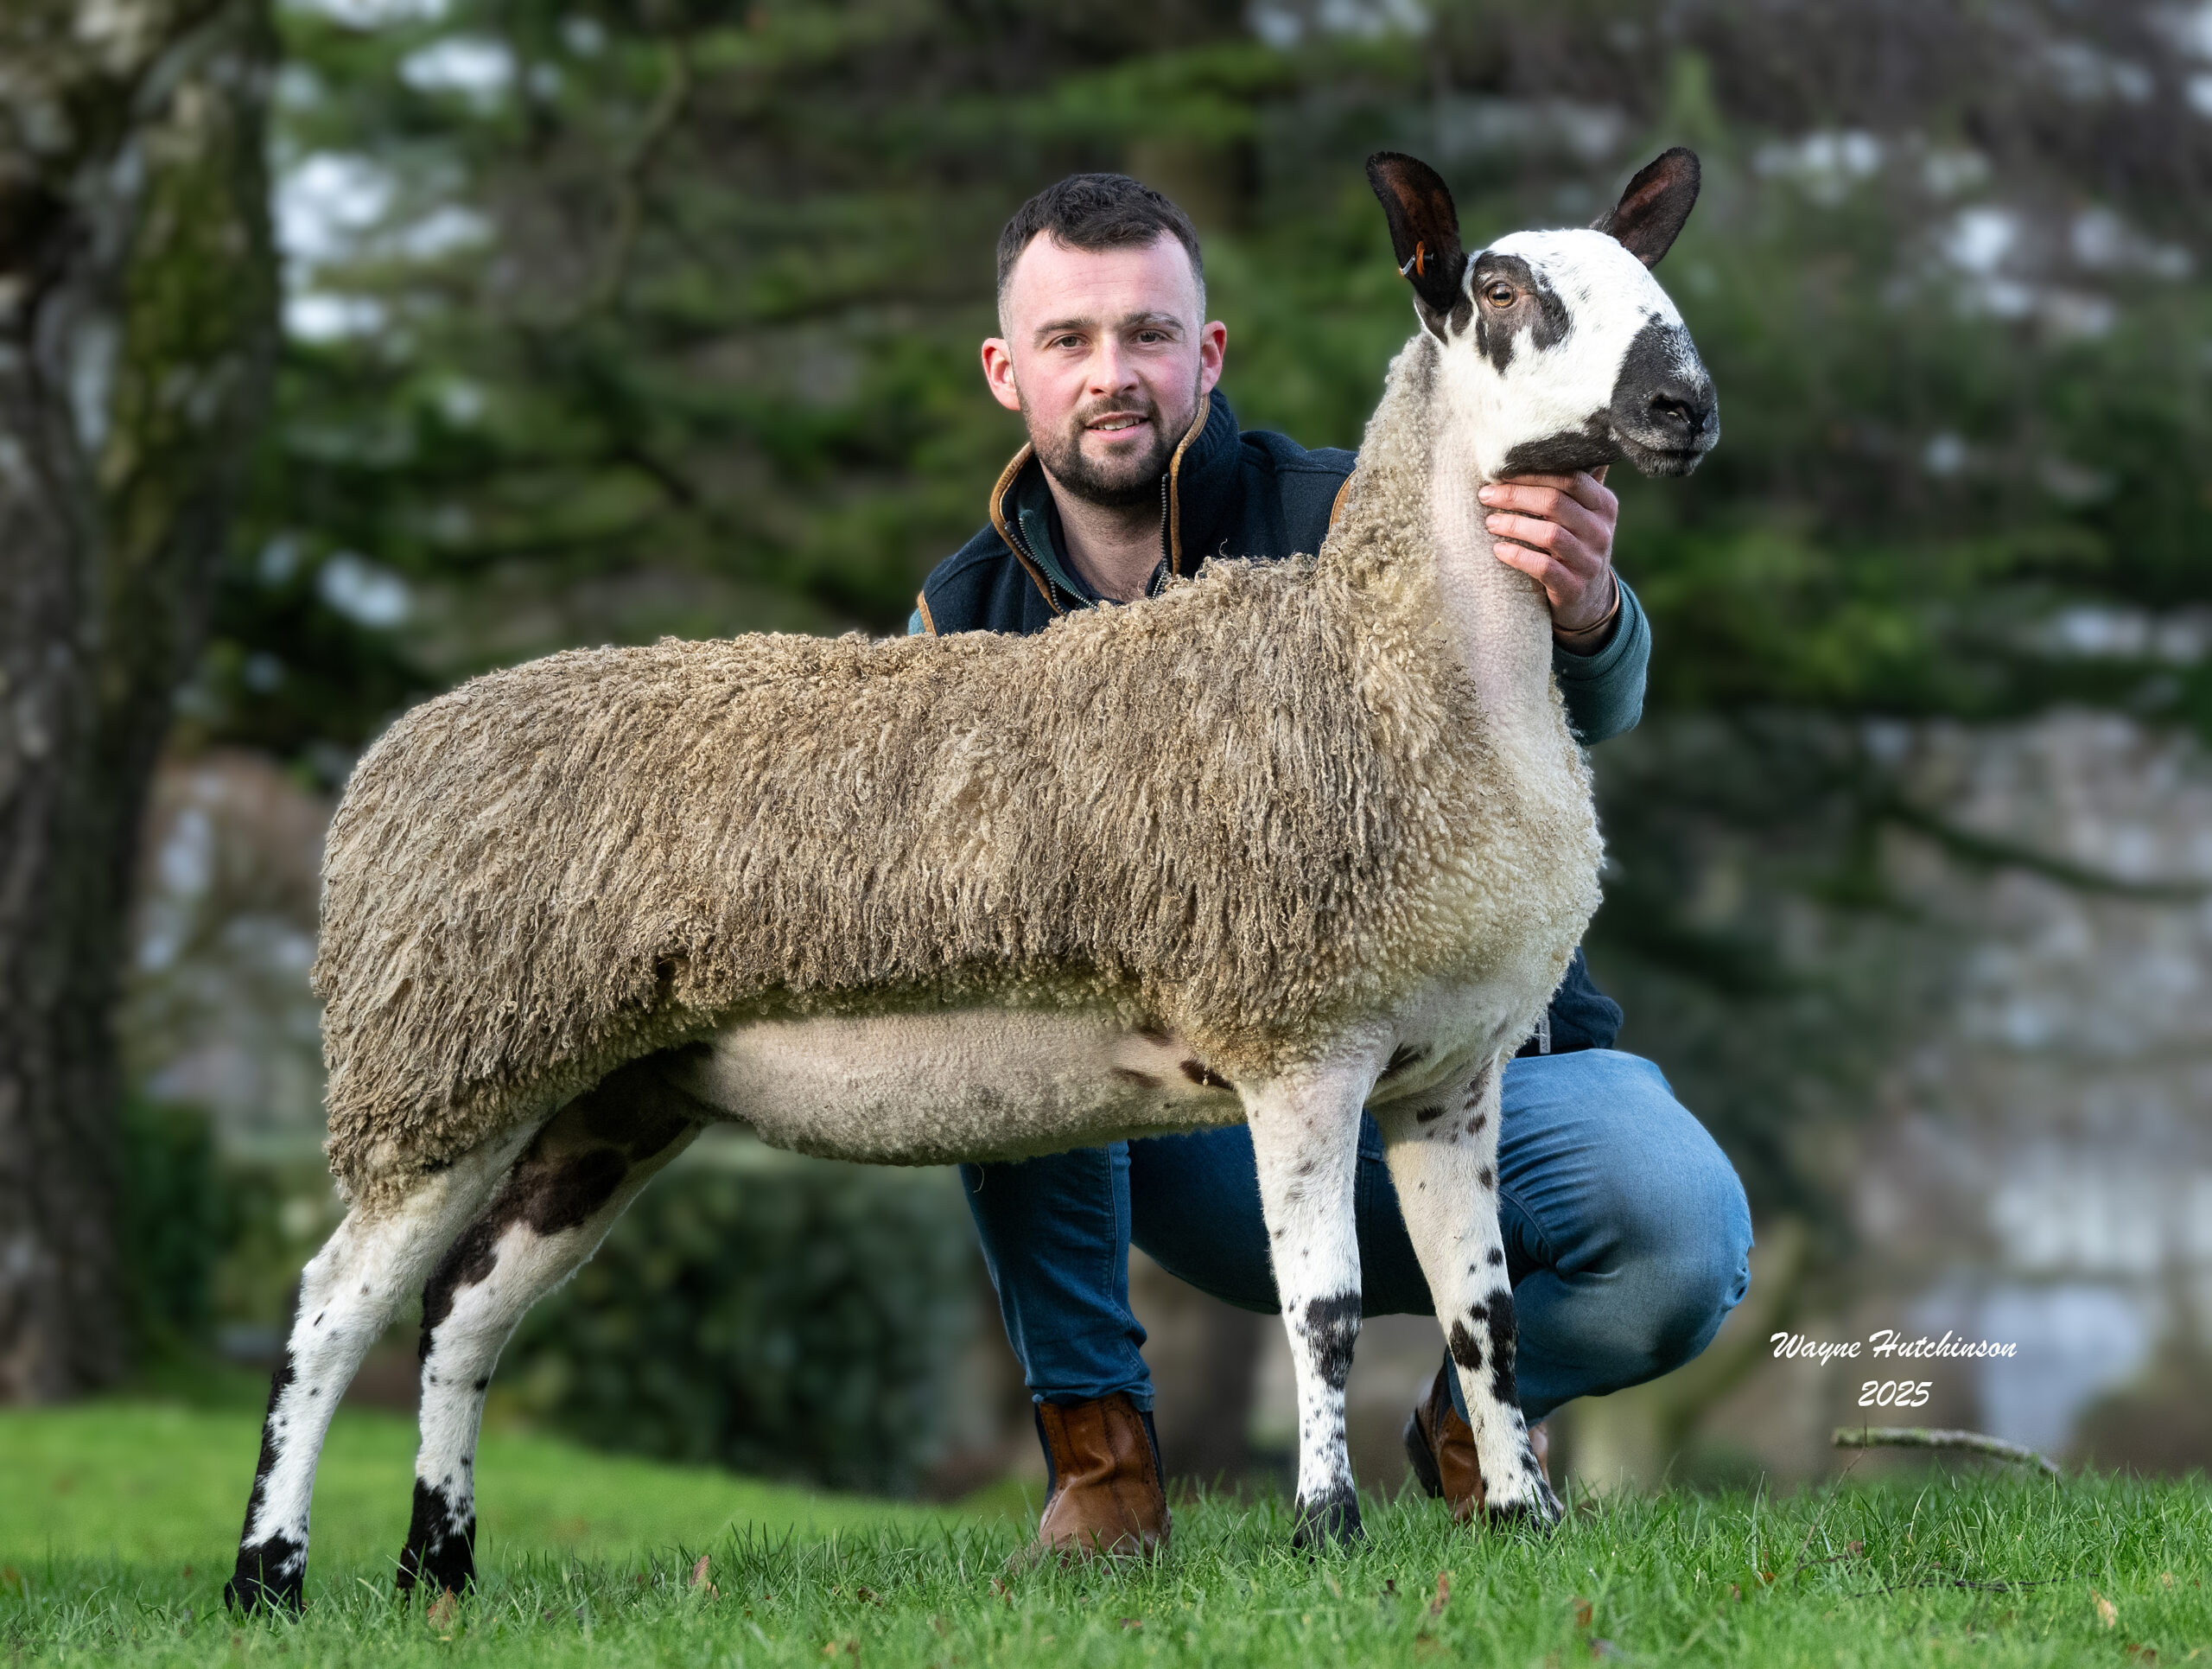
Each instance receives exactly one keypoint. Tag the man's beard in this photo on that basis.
(1122, 483)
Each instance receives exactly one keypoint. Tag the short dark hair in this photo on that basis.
(1097, 212)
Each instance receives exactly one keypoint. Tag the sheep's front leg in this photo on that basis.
(563, 1195)
(1443, 1153)
(347, 1293)
(1305, 1137)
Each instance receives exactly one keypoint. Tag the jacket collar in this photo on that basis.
(1195, 508)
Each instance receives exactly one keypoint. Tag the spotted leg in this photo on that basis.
(348, 1294)
(575, 1178)
(1305, 1137)
(1443, 1154)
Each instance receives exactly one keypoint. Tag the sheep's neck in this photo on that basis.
(1495, 616)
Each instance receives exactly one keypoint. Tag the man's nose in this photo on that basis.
(1111, 369)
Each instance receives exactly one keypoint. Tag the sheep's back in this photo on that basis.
(564, 865)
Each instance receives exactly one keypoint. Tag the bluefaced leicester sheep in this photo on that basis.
(1325, 842)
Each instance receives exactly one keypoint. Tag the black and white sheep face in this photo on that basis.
(1573, 356)
(1560, 348)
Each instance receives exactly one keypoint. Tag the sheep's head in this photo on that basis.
(1560, 345)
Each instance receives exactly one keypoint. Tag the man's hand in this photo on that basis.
(1558, 530)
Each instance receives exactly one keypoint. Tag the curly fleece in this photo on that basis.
(1251, 810)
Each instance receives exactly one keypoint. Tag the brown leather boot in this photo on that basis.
(1441, 1447)
(1105, 1494)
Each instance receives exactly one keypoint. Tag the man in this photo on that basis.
(1627, 1235)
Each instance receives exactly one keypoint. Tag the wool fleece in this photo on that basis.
(1251, 809)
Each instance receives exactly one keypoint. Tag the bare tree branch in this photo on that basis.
(1922, 1437)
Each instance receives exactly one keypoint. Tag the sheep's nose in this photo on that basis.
(1682, 407)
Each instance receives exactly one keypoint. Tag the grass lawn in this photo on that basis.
(117, 1522)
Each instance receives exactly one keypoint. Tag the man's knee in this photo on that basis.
(1683, 1261)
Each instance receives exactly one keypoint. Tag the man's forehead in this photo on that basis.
(1102, 286)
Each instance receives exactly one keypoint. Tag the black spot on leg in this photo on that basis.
(1331, 1327)
(440, 1550)
(1486, 1177)
(1503, 1336)
(575, 1190)
(1464, 1350)
(271, 1575)
(279, 1383)
(467, 1260)
(484, 1383)
(271, 1572)
(1402, 1057)
(1206, 1077)
(1331, 1520)
(1428, 1115)
(1494, 1258)
(1475, 1125)
(1143, 1081)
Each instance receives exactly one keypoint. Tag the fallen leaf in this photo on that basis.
(2108, 1613)
(442, 1611)
(867, 1594)
(187, 1576)
(1443, 1594)
(11, 1579)
(1581, 1612)
(1132, 1622)
(2166, 1577)
(2141, 1654)
(1003, 1592)
(1734, 1592)
(1855, 1548)
(699, 1572)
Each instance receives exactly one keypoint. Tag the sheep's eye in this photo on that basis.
(1500, 295)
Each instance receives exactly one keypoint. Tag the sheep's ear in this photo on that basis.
(1651, 211)
(1424, 228)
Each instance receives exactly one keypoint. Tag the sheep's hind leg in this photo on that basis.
(1443, 1153)
(348, 1294)
(577, 1177)
(1305, 1137)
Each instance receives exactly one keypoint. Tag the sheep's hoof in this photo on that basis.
(438, 1555)
(1540, 1512)
(1332, 1521)
(272, 1575)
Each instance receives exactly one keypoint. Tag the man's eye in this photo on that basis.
(1500, 295)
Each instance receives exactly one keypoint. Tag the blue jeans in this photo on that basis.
(1627, 1235)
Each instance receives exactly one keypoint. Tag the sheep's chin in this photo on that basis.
(1663, 459)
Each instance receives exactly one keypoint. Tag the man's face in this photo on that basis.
(1107, 357)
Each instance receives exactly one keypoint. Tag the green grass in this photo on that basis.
(116, 1524)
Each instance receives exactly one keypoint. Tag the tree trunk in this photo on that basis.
(137, 326)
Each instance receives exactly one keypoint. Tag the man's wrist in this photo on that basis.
(1590, 639)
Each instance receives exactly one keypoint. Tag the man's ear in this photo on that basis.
(1424, 229)
(1651, 211)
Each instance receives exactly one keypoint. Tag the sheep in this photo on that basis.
(1286, 842)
